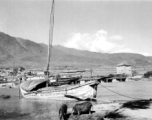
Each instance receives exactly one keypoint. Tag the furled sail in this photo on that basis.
(50, 39)
(50, 35)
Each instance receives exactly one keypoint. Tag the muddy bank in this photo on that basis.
(131, 110)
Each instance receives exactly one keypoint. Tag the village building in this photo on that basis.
(124, 68)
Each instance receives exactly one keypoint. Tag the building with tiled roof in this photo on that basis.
(124, 68)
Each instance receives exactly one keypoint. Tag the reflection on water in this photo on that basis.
(24, 109)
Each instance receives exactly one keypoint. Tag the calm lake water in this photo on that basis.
(17, 108)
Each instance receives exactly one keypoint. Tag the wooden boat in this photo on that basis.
(4, 83)
(41, 89)
(62, 80)
(38, 89)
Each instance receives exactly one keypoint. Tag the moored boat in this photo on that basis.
(37, 89)
(42, 89)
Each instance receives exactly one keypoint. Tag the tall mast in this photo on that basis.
(50, 39)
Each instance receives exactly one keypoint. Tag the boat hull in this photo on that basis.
(80, 92)
(44, 95)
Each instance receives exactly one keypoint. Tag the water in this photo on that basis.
(24, 109)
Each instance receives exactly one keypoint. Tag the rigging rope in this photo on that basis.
(121, 94)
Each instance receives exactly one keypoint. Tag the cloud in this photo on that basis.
(116, 38)
(98, 42)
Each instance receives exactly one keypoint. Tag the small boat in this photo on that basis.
(7, 85)
(42, 89)
(38, 89)
(58, 80)
(4, 83)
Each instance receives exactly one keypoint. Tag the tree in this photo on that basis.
(134, 73)
(148, 74)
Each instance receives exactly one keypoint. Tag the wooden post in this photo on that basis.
(19, 92)
(121, 77)
(91, 72)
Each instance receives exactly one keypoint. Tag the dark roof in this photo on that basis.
(123, 64)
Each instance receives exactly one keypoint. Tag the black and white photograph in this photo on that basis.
(75, 59)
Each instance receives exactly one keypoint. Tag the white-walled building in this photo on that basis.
(124, 68)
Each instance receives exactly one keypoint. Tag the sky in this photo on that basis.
(107, 26)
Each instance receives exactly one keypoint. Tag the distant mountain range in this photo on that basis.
(22, 52)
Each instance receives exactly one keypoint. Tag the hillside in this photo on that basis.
(109, 59)
(21, 52)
